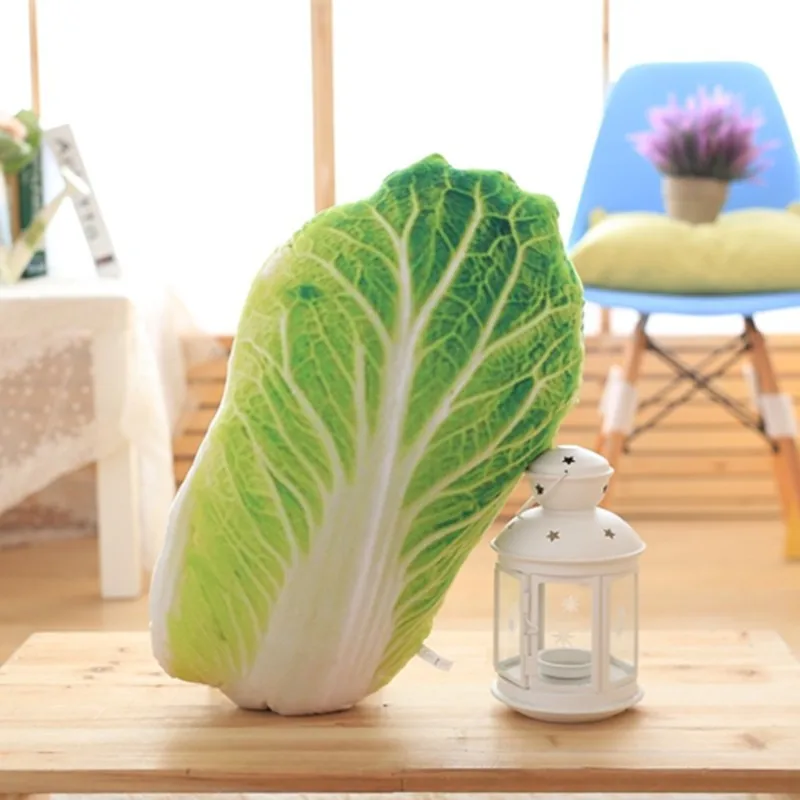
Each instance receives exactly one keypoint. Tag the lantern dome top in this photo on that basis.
(571, 461)
(569, 477)
(549, 536)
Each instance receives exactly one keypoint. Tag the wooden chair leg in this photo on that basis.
(777, 413)
(600, 441)
(605, 332)
(608, 389)
(621, 403)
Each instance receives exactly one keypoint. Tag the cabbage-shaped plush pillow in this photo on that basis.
(397, 365)
(746, 251)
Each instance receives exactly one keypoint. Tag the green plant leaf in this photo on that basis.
(15, 155)
(31, 122)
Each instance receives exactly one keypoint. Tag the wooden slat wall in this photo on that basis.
(699, 462)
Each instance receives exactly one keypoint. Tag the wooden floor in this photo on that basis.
(722, 574)
(699, 461)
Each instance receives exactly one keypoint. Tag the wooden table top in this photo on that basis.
(92, 712)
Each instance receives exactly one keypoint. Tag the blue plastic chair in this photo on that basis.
(618, 180)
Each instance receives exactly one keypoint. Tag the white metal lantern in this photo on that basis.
(566, 597)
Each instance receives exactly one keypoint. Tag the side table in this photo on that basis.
(38, 316)
(93, 712)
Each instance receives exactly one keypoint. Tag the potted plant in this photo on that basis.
(699, 149)
(22, 232)
(20, 138)
(21, 186)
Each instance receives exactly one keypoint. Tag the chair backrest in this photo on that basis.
(619, 179)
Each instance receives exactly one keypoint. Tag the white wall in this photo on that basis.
(195, 116)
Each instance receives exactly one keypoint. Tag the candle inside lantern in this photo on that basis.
(565, 663)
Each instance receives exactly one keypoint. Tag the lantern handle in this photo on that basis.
(534, 499)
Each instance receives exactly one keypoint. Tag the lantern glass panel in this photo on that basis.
(565, 634)
(508, 634)
(622, 628)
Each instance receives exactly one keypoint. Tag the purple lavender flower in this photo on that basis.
(710, 136)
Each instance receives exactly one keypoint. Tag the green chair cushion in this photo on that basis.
(743, 252)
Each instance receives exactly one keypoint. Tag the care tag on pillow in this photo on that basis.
(426, 654)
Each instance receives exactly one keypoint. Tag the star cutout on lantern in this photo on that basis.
(609, 534)
(539, 488)
(553, 535)
(568, 459)
(564, 639)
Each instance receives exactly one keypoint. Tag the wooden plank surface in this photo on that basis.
(666, 473)
(92, 712)
(656, 442)
(209, 391)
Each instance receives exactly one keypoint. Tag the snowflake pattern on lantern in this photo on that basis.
(570, 604)
(568, 623)
(564, 639)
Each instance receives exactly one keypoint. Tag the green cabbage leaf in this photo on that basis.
(397, 365)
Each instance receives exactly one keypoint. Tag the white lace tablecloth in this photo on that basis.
(59, 414)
